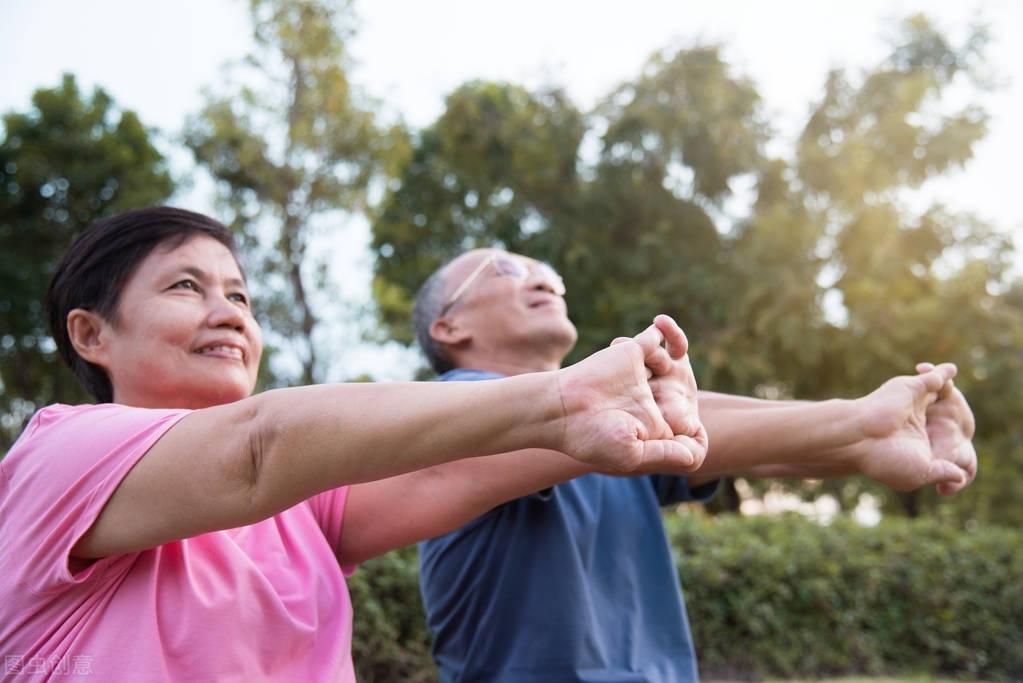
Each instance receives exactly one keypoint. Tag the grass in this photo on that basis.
(883, 679)
(866, 679)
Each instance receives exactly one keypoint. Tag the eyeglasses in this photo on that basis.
(508, 267)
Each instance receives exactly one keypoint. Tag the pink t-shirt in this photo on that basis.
(265, 602)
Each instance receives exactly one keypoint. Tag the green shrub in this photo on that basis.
(784, 597)
(390, 642)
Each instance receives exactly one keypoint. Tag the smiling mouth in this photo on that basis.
(221, 351)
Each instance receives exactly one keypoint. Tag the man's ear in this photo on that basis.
(85, 329)
(448, 331)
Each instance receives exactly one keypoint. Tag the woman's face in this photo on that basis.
(184, 335)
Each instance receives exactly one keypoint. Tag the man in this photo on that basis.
(575, 582)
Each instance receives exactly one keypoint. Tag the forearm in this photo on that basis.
(314, 438)
(778, 438)
(239, 463)
(395, 512)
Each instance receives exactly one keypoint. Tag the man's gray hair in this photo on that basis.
(426, 308)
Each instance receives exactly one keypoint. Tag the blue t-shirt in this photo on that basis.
(573, 583)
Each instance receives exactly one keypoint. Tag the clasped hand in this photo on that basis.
(918, 431)
(632, 408)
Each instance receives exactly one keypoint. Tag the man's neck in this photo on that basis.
(509, 365)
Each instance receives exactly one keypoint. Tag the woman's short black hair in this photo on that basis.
(96, 267)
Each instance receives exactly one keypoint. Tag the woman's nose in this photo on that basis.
(226, 313)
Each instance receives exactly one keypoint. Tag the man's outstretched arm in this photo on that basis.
(910, 432)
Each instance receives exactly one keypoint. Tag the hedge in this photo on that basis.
(785, 597)
(390, 643)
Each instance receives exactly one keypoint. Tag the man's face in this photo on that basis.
(507, 302)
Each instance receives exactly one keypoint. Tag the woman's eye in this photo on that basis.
(239, 297)
(186, 284)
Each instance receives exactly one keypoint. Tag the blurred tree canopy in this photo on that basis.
(823, 283)
(68, 160)
(294, 147)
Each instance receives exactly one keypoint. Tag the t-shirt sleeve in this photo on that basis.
(329, 511)
(672, 489)
(59, 476)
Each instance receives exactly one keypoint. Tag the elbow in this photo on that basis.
(249, 464)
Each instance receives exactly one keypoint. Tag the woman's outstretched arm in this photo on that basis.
(240, 463)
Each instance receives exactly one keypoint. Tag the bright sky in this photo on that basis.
(156, 56)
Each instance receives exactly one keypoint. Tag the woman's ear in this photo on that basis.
(85, 329)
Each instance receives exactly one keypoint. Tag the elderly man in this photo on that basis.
(575, 580)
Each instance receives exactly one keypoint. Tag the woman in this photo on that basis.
(183, 530)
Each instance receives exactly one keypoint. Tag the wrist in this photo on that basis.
(838, 447)
(859, 441)
(544, 409)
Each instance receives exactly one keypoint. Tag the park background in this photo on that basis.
(821, 193)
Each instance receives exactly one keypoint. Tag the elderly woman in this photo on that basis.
(183, 530)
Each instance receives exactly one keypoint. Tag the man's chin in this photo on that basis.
(563, 336)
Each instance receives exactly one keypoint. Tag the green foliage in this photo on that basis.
(390, 642)
(497, 167)
(784, 597)
(67, 161)
(821, 283)
(685, 109)
(929, 286)
(294, 147)
(882, 131)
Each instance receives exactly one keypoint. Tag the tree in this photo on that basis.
(822, 284)
(67, 161)
(911, 286)
(294, 155)
(674, 141)
(499, 166)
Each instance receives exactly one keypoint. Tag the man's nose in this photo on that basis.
(545, 279)
(540, 282)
